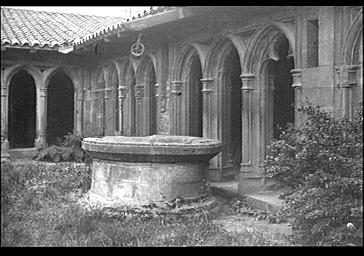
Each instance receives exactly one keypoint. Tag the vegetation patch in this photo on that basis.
(42, 206)
(322, 163)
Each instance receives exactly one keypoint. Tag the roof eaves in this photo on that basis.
(136, 25)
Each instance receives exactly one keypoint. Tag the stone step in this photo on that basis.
(264, 200)
(22, 153)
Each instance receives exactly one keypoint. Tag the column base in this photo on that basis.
(221, 174)
(251, 179)
(5, 150)
(40, 142)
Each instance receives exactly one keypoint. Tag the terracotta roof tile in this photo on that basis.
(38, 28)
(103, 31)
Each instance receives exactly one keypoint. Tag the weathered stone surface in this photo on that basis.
(150, 169)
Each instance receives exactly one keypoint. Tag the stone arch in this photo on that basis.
(216, 55)
(35, 72)
(352, 40)
(184, 58)
(186, 107)
(50, 72)
(260, 46)
(98, 92)
(145, 65)
(21, 117)
(223, 103)
(128, 82)
(145, 97)
(277, 97)
(351, 84)
(61, 104)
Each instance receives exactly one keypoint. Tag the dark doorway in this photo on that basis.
(22, 111)
(152, 102)
(131, 98)
(233, 109)
(283, 96)
(60, 106)
(195, 98)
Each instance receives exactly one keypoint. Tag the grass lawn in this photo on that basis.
(40, 207)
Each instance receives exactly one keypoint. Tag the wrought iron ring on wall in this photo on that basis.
(137, 49)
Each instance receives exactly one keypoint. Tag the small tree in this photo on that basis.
(322, 162)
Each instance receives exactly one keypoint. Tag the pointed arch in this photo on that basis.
(217, 52)
(352, 39)
(262, 43)
(50, 72)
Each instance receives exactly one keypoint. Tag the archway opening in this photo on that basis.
(194, 98)
(131, 102)
(60, 107)
(22, 111)
(232, 102)
(283, 93)
(151, 81)
(117, 103)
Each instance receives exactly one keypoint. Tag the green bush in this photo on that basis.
(322, 162)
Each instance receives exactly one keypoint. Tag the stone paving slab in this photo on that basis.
(261, 200)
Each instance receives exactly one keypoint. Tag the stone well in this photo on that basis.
(135, 171)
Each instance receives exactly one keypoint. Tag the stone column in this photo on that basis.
(41, 119)
(108, 112)
(4, 122)
(139, 93)
(121, 98)
(251, 180)
(348, 81)
(157, 88)
(266, 114)
(176, 121)
(80, 111)
(246, 93)
(297, 86)
(210, 124)
(98, 110)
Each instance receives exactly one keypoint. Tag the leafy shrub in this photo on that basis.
(322, 162)
(68, 149)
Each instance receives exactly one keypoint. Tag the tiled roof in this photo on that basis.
(154, 10)
(26, 28)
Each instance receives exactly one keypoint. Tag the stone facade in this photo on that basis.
(200, 69)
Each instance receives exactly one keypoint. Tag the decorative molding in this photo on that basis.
(297, 78)
(207, 84)
(176, 87)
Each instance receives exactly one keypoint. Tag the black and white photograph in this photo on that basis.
(181, 126)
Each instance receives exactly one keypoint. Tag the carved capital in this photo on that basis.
(176, 87)
(348, 76)
(43, 92)
(4, 91)
(139, 91)
(207, 84)
(107, 93)
(81, 94)
(121, 92)
(297, 78)
(157, 89)
(247, 81)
